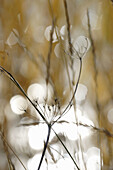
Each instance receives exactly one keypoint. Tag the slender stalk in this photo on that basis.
(49, 59)
(49, 53)
(70, 102)
(45, 147)
(10, 164)
(66, 149)
(3, 137)
(96, 82)
(56, 151)
(75, 87)
(72, 69)
(101, 130)
(68, 27)
(69, 38)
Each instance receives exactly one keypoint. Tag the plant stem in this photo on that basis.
(66, 149)
(9, 75)
(45, 147)
(70, 102)
(3, 138)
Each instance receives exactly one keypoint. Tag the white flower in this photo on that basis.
(81, 45)
(40, 92)
(63, 31)
(58, 50)
(48, 31)
(18, 104)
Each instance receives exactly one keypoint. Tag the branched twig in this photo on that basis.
(102, 130)
(9, 75)
(72, 68)
(49, 126)
(70, 102)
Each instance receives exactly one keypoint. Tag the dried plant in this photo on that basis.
(53, 113)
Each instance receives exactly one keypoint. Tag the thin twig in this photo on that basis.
(68, 27)
(95, 79)
(56, 151)
(50, 49)
(71, 66)
(31, 55)
(43, 64)
(51, 9)
(45, 147)
(102, 130)
(49, 53)
(10, 164)
(70, 102)
(66, 149)
(51, 154)
(94, 60)
(69, 37)
(3, 138)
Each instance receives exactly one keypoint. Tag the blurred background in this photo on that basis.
(24, 47)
